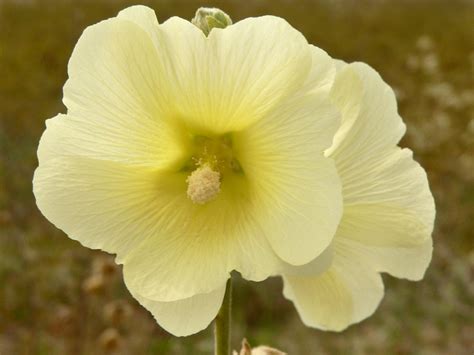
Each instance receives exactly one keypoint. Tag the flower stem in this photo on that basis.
(222, 323)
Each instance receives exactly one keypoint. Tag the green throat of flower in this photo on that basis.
(213, 158)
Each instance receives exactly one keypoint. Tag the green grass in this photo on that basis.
(44, 307)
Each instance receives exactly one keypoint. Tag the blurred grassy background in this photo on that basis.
(57, 297)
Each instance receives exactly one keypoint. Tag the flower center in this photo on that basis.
(212, 159)
(204, 184)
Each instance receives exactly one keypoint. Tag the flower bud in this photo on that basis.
(260, 350)
(207, 18)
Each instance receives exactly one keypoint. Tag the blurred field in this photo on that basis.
(57, 297)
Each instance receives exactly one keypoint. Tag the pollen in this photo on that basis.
(204, 184)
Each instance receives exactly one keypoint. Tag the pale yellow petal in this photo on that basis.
(115, 70)
(388, 207)
(197, 246)
(370, 121)
(237, 74)
(389, 185)
(172, 248)
(117, 99)
(102, 204)
(299, 189)
(187, 316)
(315, 267)
(285, 186)
(141, 15)
(387, 201)
(348, 292)
(142, 144)
(322, 74)
(402, 262)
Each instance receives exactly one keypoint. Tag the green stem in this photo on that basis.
(222, 323)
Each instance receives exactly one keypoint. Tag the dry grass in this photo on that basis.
(57, 297)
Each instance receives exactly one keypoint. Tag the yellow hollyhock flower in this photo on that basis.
(190, 156)
(388, 209)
